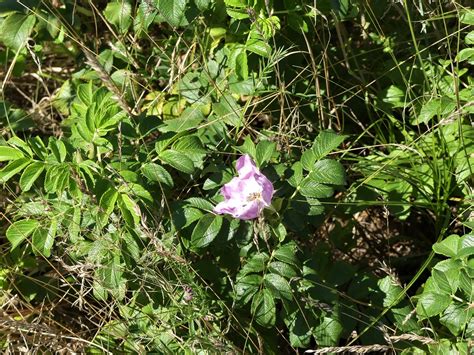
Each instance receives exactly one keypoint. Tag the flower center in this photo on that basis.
(254, 196)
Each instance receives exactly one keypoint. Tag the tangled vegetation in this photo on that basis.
(122, 121)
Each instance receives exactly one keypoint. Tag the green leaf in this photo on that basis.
(259, 47)
(465, 54)
(248, 147)
(13, 168)
(448, 247)
(58, 148)
(328, 171)
(30, 174)
(8, 153)
(469, 39)
(119, 13)
(466, 246)
(177, 160)
(282, 269)
(130, 210)
(308, 158)
(446, 275)
(325, 143)
(467, 17)
(246, 287)
(287, 254)
(455, 317)
(394, 96)
(107, 204)
(43, 239)
(256, 263)
(189, 119)
(263, 308)
(265, 150)
(241, 65)
(238, 14)
(278, 285)
(296, 177)
(431, 304)
(155, 172)
(328, 332)
(15, 30)
(391, 290)
(228, 110)
(311, 188)
(200, 203)
(206, 230)
(20, 230)
(173, 11)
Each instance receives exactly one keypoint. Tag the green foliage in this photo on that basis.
(120, 124)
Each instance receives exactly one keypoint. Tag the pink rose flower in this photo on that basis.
(247, 194)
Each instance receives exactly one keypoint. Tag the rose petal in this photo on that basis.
(232, 188)
(227, 206)
(267, 189)
(245, 166)
(250, 211)
(248, 194)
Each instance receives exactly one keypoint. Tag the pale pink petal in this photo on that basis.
(245, 166)
(232, 188)
(227, 206)
(267, 189)
(250, 211)
(248, 194)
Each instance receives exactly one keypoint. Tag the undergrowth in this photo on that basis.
(121, 121)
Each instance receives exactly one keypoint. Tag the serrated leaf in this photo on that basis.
(228, 110)
(200, 203)
(455, 318)
(308, 158)
(189, 119)
(119, 13)
(20, 230)
(30, 174)
(263, 308)
(467, 17)
(311, 188)
(246, 287)
(391, 289)
(43, 239)
(328, 332)
(328, 171)
(466, 246)
(255, 264)
(206, 230)
(287, 254)
(432, 304)
(241, 65)
(173, 11)
(155, 172)
(8, 153)
(446, 276)
(177, 160)
(325, 143)
(296, 172)
(130, 210)
(107, 204)
(15, 30)
(448, 247)
(259, 47)
(282, 269)
(265, 150)
(278, 285)
(13, 168)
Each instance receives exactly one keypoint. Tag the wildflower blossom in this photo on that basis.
(247, 194)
